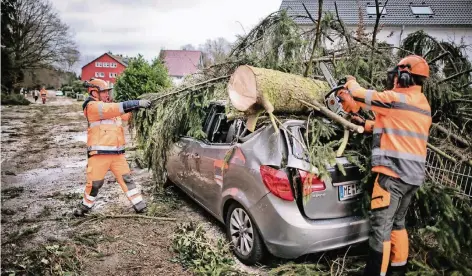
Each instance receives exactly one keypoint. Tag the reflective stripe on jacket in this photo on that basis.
(401, 129)
(105, 133)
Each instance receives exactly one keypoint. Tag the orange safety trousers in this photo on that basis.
(389, 239)
(98, 166)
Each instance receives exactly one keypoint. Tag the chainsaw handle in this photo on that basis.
(334, 90)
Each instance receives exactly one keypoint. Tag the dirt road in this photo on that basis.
(43, 159)
(43, 176)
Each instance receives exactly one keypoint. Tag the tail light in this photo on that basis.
(311, 183)
(277, 182)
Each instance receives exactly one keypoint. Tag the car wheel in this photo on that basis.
(243, 235)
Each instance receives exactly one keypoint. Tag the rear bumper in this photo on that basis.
(287, 234)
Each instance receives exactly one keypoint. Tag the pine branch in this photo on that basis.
(455, 75)
(348, 40)
(449, 133)
(317, 37)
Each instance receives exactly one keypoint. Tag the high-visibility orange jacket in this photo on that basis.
(400, 130)
(105, 131)
(43, 93)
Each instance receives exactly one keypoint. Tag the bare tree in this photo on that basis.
(215, 50)
(38, 37)
(188, 47)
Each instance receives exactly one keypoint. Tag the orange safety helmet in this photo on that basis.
(408, 67)
(98, 85)
(416, 65)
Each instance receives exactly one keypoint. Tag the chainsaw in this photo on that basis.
(332, 101)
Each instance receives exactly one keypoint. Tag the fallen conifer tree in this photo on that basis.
(440, 218)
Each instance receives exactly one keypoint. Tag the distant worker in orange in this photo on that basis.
(106, 145)
(43, 94)
(400, 134)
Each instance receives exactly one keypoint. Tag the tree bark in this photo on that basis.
(251, 88)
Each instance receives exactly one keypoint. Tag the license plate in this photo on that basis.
(349, 191)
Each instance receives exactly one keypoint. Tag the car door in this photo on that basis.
(178, 165)
(208, 160)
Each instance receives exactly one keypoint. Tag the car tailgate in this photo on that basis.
(335, 198)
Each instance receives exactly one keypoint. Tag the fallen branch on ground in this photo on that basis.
(100, 216)
(448, 133)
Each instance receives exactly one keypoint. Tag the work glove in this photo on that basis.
(348, 103)
(348, 79)
(144, 103)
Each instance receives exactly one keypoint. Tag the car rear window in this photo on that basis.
(300, 132)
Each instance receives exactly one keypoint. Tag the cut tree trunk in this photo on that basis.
(250, 89)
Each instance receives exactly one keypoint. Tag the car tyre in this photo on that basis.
(243, 235)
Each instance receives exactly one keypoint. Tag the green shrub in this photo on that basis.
(78, 86)
(14, 99)
(141, 77)
(66, 88)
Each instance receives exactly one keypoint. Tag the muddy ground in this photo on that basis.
(43, 159)
(43, 176)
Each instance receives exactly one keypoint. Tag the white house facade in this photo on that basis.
(449, 21)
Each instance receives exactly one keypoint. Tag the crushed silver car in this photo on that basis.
(252, 182)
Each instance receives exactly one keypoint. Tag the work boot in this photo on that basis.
(81, 210)
(140, 207)
(397, 270)
(374, 263)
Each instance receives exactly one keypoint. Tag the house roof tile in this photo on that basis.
(450, 13)
(117, 58)
(181, 62)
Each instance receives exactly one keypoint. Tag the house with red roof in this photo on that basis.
(107, 67)
(181, 63)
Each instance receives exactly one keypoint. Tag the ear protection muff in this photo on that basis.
(390, 83)
(404, 76)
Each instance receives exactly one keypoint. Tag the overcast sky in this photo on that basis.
(130, 27)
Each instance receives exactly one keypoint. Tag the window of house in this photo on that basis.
(372, 10)
(97, 74)
(102, 74)
(105, 64)
(114, 65)
(421, 10)
(98, 64)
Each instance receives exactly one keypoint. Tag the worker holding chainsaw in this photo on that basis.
(400, 134)
(106, 145)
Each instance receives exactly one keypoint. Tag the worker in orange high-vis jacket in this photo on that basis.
(106, 145)
(400, 135)
(43, 94)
